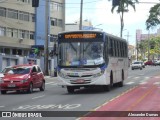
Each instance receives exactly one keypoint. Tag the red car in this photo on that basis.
(148, 63)
(23, 78)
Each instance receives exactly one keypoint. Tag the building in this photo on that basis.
(86, 25)
(141, 36)
(22, 26)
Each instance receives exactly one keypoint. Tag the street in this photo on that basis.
(55, 98)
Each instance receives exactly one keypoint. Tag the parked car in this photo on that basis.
(156, 62)
(149, 63)
(137, 65)
(23, 78)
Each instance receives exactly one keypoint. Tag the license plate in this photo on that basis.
(11, 85)
(80, 81)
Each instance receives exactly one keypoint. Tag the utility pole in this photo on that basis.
(81, 12)
(46, 39)
(137, 46)
(148, 44)
(128, 35)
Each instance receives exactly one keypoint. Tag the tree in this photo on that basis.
(154, 17)
(122, 7)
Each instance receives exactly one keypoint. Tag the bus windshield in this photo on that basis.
(80, 53)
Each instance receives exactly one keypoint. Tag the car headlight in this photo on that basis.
(1, 81)
(24, 81)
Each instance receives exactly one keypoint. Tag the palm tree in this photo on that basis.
(154, 17)
(123, 7)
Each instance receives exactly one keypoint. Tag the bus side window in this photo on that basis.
(110, 47)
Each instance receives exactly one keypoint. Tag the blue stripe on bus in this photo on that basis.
(103, 67)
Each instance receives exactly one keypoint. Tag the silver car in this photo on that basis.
(137, 65)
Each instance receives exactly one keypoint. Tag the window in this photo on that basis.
(3, 12)
(31, 35)
(13, 14)
(33, 17)
(55, 6)
(53, 22)
(39, 70)
(25, 1)
(34, 69)
(2, 31)
(59, 23)
(23, 16)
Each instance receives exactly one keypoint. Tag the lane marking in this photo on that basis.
(142, 83)
(136, 77)
(128, 83)
(2, 106)
(156, 83)
(38, 97)
(49, 82)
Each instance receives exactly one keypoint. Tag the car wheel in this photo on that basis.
(42, 88)
(30, 90)
(3, 91)
(140, 68)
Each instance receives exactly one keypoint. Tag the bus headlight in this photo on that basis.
(62, 75)
(99, 74)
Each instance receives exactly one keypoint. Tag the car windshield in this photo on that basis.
(19, 71)
(80, 53)
(137, 63)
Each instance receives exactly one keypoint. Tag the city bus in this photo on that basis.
(91, 59)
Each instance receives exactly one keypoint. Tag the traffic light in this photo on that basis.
(35, 3)
(115, 2)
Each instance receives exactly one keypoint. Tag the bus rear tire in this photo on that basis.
(70, 89)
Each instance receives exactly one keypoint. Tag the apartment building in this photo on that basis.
(140, 36)
(22, 25)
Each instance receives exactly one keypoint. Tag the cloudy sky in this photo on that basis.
(99, 12)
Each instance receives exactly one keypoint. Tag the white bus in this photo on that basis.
(90, 59)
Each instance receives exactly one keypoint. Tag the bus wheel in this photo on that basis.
(108, 87)
(70, 89)
(120, 84)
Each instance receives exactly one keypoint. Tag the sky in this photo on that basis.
(100, 15)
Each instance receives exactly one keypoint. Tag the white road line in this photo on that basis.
(136, 77)
(2, 106)
(142, 83)
(129, 83)
(157, 77)
(53, 84)
(38, 97)
(49, 82)
(156, 83)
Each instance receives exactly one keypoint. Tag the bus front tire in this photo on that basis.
(70, 89)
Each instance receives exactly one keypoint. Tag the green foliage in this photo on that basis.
(154, 46)
(154, 17)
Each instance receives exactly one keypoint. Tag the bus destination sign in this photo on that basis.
(80, 35)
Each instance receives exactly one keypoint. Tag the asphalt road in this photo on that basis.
(55, 98)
